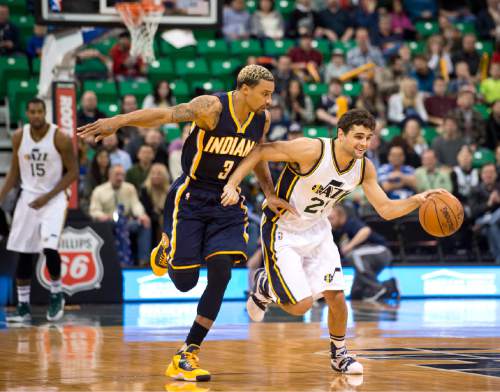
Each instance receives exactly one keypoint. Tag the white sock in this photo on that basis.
(23, 293)
(338, 341)
(55, 286)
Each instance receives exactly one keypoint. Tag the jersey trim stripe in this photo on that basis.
(173, 241)
(363, 164)
(245, 222)
(335, 163)
(227, 252)
(285, 186)
(199, 153)
(240, 128)
(315, 166)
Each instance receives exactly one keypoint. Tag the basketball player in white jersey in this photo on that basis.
(302, 263)
(44, 161)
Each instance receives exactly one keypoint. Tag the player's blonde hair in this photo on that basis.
(252, 74)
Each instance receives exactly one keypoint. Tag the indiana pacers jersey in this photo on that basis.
(209, 157)
(40, 164)
(313, 194)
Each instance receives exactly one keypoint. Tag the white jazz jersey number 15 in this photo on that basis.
(315, 193)
(40, 164)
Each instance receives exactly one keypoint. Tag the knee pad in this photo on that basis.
(53, 261)
(25, 266)
(184, 281)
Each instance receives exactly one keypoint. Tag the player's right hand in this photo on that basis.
(230, 195)
(101, 128)
(422, 197)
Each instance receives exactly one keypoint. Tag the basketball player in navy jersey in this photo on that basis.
(302, 263)
(226, 127)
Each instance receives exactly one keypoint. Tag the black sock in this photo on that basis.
(196, 334)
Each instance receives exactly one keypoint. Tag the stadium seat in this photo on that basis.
(466, 27)
(171, 132)
(352, 89)
(208, 86)
(316, 131)
(139, 89)
(180, 89)
(161, 69)
(278, 47)
(427, 28)
(429, 134)
(245, 48)
(91, 68)
(25, 25)
(109, 108)
(12, 67)
(417, 47)
(226, 70)
(322, 46)
(483, 156)
(167, 50)
(192, 69)
(19, 91)
(35, 67)
(105, 45)
(483, 109)
(212, 48)
(315, 91)
(345, 46)
(285, 7)
(484, 47)
(390, 132)
(251, 5)
(200, 34)
(16, 7)
(105, 91)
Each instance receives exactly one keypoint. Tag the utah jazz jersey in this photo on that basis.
(313, 194)
(210, 156)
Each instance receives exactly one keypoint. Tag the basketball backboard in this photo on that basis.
(178, 13)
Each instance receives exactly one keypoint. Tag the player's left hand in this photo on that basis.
(280, 206)
(421, 198)
(100, 129)
(39, 202)
(230, 195)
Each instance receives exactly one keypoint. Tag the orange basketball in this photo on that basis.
(441, 215)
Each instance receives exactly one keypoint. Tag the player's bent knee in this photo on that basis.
(185, 281)
(301, 307)
(219, 269)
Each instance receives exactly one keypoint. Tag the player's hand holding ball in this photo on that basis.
(441, 214)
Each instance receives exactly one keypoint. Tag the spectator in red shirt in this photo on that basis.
(438, 105)
(304, 57)
(124, 65)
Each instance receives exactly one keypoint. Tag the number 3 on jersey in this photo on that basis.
(228, 165)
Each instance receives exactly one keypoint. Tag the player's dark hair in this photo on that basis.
(36, 101)
(356, 117)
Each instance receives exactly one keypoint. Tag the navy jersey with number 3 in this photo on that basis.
(211, 156)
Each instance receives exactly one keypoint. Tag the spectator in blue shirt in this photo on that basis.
(397, 180)
(35, 43)
(423, 74)
(236, 21)
(364, 52)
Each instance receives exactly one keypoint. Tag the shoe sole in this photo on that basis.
(341, 372)
(253, 308)
(18, 319)
(59, 314)
(180, 376)
(155, 267)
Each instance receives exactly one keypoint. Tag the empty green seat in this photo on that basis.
(105, 91)
(161, 69)
(180, 89)
(278, 47)
(247, 47)
(12, 67)
(35, 67)
(212, 48)
(194, 68)
(417, 47)
(389, 133)
(426, 28)
(484, 47)
(483, 156)
(285, 7)
(316, 131)
(322, 46)
(352, 89)
(105, 45)
(315, 90)
(205, 34)
(345, 46)
(110, 109)
(171, 132)
(466, 27)
(24, 23)
(187, 52)
(225, 70)
(16, 7)
(251, 5)
(19, 92)
(210, 86)
(139, 89)
(429, 134)
(91, 67)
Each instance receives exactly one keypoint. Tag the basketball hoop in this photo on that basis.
(142, 19)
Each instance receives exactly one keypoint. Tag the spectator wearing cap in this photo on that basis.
(449, 143)
(397, 179)
(439, 104)
(468, 53)
(331, 103)
(469, 120)
(9, 33)
(336, 67)
(409, 102)
(304, 56)
(422, 74)
(335, 23)
(430, 175)
(364, 52)
(490, 88)
(235, 21)
(302, 19)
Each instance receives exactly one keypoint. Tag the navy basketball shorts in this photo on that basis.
(199, 227)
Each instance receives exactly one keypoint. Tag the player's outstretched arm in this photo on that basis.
(302, 150)
(204, 110)
(385, 207)
(13, 175)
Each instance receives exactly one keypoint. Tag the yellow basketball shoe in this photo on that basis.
(184, 366)
(158, 259)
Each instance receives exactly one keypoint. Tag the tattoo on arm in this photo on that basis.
(182, 113)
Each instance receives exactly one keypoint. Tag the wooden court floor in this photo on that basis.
(413, 346)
